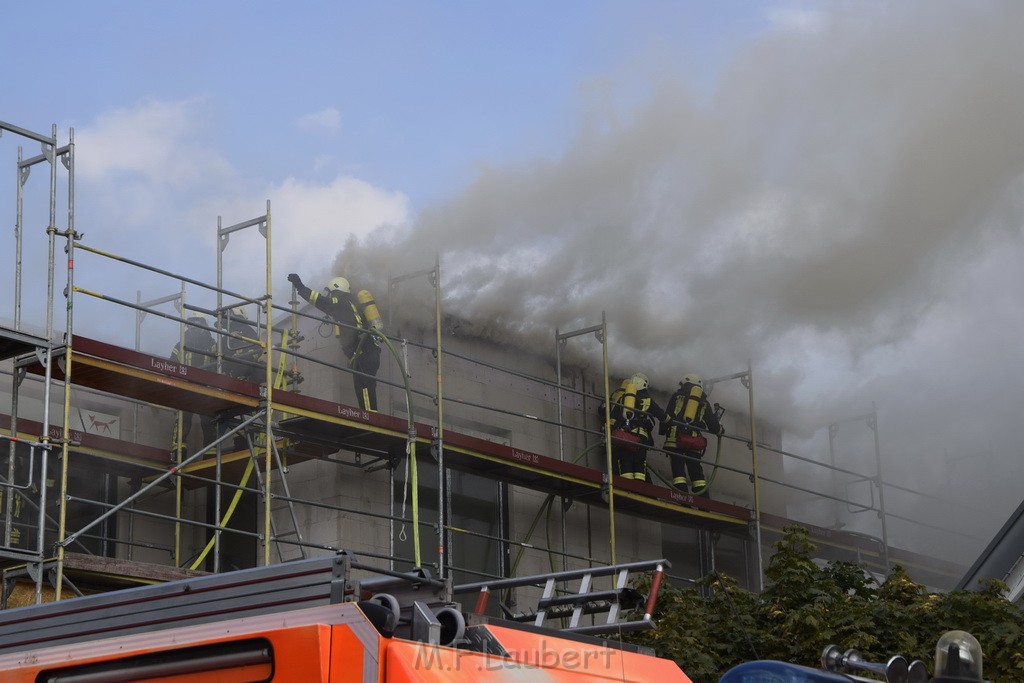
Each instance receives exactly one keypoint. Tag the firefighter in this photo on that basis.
(361, 348)
(242, 358)
(688, 417)
(199, 351)
(632, 416)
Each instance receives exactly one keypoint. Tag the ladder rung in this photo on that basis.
(621, 595)
(621, 627)
(577, 599)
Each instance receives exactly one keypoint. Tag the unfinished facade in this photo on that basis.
(484, 460)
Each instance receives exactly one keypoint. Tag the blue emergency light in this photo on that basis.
(958, 659)
(767, 671)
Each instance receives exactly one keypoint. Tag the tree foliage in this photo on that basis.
(806, 607)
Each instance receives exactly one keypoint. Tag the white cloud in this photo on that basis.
(796, 19)
(160, 141)
(153, 182)
(324, 121)
(310, 224)
(139, 167)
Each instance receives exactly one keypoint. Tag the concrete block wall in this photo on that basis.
(156, 531)
(342, 495)
(481, 400)
(477, 396)
(471, 390)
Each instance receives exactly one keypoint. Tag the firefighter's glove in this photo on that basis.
(295, 279)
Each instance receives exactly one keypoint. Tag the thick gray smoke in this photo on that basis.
(843, 209)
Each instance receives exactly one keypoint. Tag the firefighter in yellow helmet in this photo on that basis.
(241, 357)
(361, 348)
(689, 416)
(632, 416)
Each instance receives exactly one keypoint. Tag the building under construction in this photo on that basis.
(484, 461)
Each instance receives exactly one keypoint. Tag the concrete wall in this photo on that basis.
(508, 398)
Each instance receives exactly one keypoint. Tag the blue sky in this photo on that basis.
(347, 116)
(831, 190)
(408, 95)
(402, 103)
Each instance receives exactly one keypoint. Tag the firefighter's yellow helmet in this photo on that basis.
(639, 380)
(338, 284)
(693, 378)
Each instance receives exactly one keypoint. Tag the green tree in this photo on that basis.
(806, 607)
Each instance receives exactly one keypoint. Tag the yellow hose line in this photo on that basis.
(546, 505)
(714, 470)
(410, 450)
(586, 450)
(414, 481)
(227, 515)
(282, 363)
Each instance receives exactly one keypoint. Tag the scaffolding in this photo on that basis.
(17, 342)
(268, 426)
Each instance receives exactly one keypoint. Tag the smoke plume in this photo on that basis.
(843, 209)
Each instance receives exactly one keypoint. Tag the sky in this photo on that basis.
(830, 191)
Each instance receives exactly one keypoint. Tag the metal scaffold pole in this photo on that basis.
(18, 231)
(44, 346)
(68, 341)
(269, 397)
(873, 421)
(218, 470)
(442, 515)
(434, 275)
(262, 224)
(757, 485)
(746, 377)
(609, 465)
(601, 331)
(11, 453)
(179, 439)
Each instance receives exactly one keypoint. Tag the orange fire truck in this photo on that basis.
(313, 620)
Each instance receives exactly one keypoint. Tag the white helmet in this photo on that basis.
(693, 378)
(338, 284)
(639, 380)
(239, 312)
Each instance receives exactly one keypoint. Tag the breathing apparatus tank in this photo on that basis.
(677, 406)
(693, 401)
(371, 314)
(627, 402)
(628, 394)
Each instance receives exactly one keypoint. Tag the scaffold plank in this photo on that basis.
(320, 428)
(127, 452)
(156, 380)
(17, 342)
